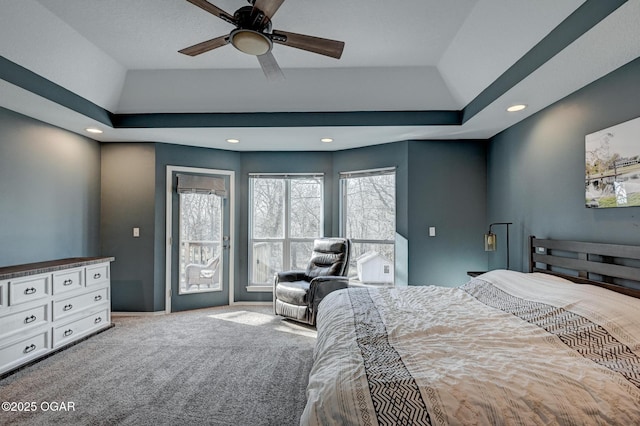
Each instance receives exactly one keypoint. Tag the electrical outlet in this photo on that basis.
(136, 232)
(432, 231)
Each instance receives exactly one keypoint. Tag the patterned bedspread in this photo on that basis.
(506, 348)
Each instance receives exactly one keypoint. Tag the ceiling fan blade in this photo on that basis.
(214, 10)
(270, 67)
(205, 46)
(269, 7)
(322, 46)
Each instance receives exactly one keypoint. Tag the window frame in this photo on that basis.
(343, 177)
(286, 239)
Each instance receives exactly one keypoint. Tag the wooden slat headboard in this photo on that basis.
(613, 266)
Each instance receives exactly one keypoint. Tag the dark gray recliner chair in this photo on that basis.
(296, 294)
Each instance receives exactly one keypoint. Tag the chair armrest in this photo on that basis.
(285, 276)
(320, 287)
(289, 276)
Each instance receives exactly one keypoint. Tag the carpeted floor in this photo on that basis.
(236, 365)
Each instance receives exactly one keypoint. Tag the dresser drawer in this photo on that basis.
(97, 274)
(22, 321)
(28, 289)
(23, 350)
(71, 331)
(67, 281)
(69, 306)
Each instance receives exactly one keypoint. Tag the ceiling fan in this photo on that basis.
(253, 35)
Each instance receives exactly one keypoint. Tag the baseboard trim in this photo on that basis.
(137, 314)
(157, 313)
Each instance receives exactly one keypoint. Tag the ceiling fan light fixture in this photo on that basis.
(250, 42)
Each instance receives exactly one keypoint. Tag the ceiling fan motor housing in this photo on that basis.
(251, 18)
(249, 37)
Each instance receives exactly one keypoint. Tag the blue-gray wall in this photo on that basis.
(140, 288)
(536, 169)
(50, 192)
(128, 200)
(447, 190)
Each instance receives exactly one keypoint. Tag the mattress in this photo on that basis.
(505, 348)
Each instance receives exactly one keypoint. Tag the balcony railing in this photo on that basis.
(197, 252)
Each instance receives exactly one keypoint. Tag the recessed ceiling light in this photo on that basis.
(233, 140)
(93, 130)
(326, 140)
(516, 108)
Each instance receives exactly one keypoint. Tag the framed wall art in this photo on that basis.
(612, 166)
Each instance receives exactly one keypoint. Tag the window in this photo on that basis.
(201, 228)
(368, 218)
(200, 242)
(286, 216)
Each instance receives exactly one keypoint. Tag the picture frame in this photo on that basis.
(612, 166)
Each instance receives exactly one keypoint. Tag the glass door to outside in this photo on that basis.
(199, 240)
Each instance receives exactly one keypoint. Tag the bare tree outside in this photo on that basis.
(268, 208)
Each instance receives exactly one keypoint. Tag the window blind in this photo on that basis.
(365, 173)
(199, 184)
(287, 175)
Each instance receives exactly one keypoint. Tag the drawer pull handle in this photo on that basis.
(96, 276)
(30, 319)
(67, 307)
(97, 298)
(30, 290)
(97, 320)
(68, 332)
(29, 348)
(68, 282)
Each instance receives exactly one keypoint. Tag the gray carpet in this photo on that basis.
(221, 366)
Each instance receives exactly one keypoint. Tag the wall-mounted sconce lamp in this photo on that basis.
(491, 241)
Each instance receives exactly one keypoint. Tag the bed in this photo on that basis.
(505, 348)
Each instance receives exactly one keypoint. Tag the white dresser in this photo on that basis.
(48, 305)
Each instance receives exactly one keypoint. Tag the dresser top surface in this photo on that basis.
(15, 271)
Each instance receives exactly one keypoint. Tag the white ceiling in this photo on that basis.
(418, 55)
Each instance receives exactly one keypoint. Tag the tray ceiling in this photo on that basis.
(120, 58)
